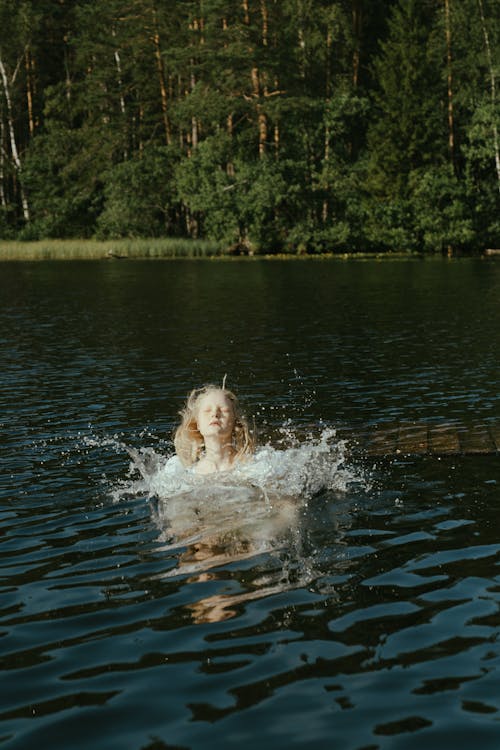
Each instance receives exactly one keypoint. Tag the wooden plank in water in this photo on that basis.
(418, 438)
(443, 440)
(383, 440)
(477, 439)
(412, 438)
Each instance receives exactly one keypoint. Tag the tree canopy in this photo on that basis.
(276, 125)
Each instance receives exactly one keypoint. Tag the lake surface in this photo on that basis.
(354, 604)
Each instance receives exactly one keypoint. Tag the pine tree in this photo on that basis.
(407, 131)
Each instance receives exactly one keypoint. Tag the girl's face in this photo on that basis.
(215, 415)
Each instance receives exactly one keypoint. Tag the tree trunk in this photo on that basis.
(67, 76)
(3, 194)
(246, 13)
(261, 117)
(12, 136)
(276, 135)
(229, 128)
(139, 129)
(326, 155)
(118, 64)
(262, 131)
(301, 42)
(265, 21)
(28, 61)
(357, 25)
(161, 79)
(263, 125)
(449, 78)
(496, 145)
(197, 25)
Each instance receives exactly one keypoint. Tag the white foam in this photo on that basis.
(301, 470)
(253, 508)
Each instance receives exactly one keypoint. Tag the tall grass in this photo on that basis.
(95, 249)
(167, 247)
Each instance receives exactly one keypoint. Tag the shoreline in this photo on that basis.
(183, 249)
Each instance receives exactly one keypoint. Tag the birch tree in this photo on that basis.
(8, 79)
(493, 94)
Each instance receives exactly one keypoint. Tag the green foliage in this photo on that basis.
(238, 200)
(482, 184)
(442, 219)
(407, 131)
(389, 225)
(63, 174)
(209, 192)
(302, 125)
(6, 230)
(138, 196)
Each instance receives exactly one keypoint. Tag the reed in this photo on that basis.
(168, 247)
(97, 249)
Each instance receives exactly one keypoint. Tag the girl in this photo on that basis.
(213, 434)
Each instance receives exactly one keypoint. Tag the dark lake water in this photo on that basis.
(355, 604)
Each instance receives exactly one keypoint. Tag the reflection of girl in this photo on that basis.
(213, 434)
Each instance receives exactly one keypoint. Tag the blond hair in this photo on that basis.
(189, 441)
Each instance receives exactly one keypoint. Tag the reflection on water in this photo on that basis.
(324, 600)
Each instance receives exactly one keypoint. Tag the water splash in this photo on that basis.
(259, 508)
(259, 498)
(295, 467)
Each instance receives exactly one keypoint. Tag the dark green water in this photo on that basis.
(374, 622)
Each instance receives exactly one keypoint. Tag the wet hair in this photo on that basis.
(189, 441)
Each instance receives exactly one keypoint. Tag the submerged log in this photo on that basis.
(477, 440)
(413, 438)
(443, 440)
(495, 435)
(420, 438)
(383, 440)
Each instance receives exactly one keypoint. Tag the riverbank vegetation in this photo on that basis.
(116, 249)
(252, 125)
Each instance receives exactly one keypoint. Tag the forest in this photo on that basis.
(295, 126)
